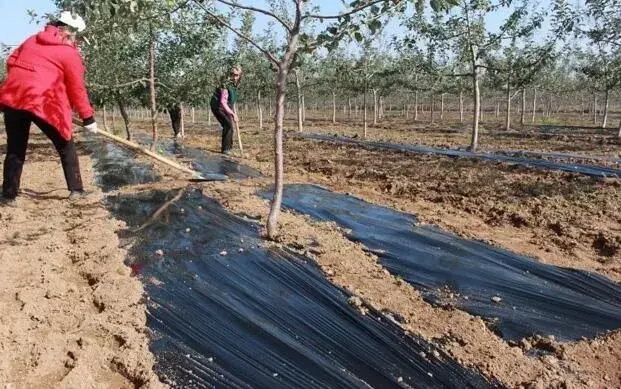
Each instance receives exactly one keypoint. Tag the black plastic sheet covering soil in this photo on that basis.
(553, 155)
(589, 170)
(116, 166)
(208, 164)
(229, 313)
(535, 298)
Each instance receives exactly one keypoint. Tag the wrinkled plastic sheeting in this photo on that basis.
(208, 164)
(553, 155)
(535, 298)
(230, 313)
(589, 170)
(116, 166)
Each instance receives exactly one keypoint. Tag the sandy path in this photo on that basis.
(70, 314)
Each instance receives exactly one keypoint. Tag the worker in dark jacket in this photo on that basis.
(44, 83)
(223, 107)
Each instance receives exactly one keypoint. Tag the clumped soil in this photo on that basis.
(70, 314)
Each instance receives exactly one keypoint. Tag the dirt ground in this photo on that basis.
(557, 218)
(70, 314)
(450, 133)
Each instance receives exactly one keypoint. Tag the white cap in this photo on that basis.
(73, 20)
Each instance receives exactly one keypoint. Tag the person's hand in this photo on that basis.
(235, 118)
(92, 128)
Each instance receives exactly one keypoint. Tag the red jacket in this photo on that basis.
(46, 78)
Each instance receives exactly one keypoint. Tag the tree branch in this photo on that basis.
(239, 34)
(353, 11)
(259, 10)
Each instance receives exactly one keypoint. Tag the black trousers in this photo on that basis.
(17, 125)
(227, 128)
(175, 118)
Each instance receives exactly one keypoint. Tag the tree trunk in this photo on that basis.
(605, 120)
(461, 106)
(208, 117)
(260, 107)
(303, 108)
(433, 97)
(381, 108)
(105, 123)
(477, 109)
(375, 107)
(534, 105)
(442, 107)
(182, 128)
(123, 111)
(364, 134)
(416, 106)
(333, 107)
(272, 221)
(508, 113)
(497, 108)
(113, 119)
(619, 134)
(152, 91)
(349, 104)
(193, 116)
(300, 103)
(523, 112)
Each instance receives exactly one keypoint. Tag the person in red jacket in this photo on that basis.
(45, 82)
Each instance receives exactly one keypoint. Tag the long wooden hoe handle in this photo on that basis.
(241, 147)
(134, 146)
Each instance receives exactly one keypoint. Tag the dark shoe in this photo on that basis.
(8, 201)
(227, 152)
(79, 194)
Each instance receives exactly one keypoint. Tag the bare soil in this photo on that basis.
(557, 218)
(71, 316)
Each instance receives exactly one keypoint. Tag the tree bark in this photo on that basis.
(375, 107)
(281, 87)
(105, 123)
(364, 134)
(124, 115)
(474, 142)
(523, 111)
(349, 105)
(442, 107)
(381, 108)
(333, 107)
(182, 129)
(508, 113)
(300, 103)
(416, 106)
(303, 108)
(534, 105)
(152, 91)
(193, 116)
(461, 106)
(606, 104)
(113, 120)
(260, 107)
(619, 134)
(433, 97)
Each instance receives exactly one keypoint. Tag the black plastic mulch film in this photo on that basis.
(228, 313)
(231, 313)
(517, 295)
(590, 170)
